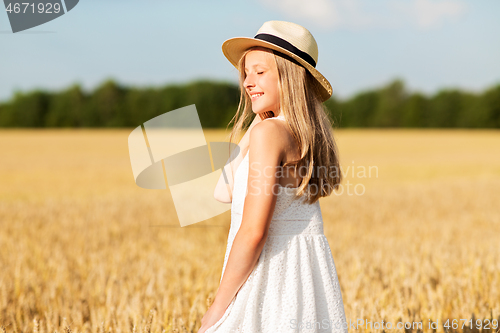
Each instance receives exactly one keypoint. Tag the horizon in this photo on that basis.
(216, 80)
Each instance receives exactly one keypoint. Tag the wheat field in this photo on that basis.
(84, 249)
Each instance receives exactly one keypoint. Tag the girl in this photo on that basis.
(278, 273)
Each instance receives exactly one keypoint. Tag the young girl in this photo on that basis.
(278, 273)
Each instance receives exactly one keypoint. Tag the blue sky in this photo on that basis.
(430, 44)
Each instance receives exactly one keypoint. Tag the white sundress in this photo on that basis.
(294, 285)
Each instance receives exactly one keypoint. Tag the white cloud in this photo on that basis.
(429, 14)
(364, 14)
(325, 13)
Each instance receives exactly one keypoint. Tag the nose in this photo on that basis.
(248, 82)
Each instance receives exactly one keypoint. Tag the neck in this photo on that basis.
(277, 112)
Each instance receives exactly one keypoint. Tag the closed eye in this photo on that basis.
(260, 72)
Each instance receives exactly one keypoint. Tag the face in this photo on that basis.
(262, 81)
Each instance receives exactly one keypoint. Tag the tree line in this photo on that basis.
(114, 105)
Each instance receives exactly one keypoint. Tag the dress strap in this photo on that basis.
(281, 117)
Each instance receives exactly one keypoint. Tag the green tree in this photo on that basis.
(29, 109)
(389, 107)
(446, 108)
(358, 111)
(67, 108)
(415, 111)
(106, 106)
(491, 100)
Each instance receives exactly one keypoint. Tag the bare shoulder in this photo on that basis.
(270, 127)
(271, 134)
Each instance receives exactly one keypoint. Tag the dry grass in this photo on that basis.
(83, 249)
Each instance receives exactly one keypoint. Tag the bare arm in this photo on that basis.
(265, 156)
(224, 189)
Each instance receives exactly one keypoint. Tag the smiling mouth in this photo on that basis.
(256, 96)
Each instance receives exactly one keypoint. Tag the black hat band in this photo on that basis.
(287, 46)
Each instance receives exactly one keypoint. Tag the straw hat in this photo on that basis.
(285, 37)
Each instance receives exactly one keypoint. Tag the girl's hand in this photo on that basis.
(212, 316)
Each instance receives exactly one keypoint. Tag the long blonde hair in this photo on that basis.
(308, 120)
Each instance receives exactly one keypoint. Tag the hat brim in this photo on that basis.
(233, 48)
